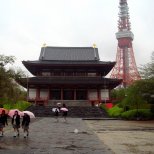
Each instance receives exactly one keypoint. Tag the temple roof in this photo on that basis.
(90, 66)
(75, 81)
(69, 53)
(84, 59)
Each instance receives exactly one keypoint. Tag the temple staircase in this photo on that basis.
(73, 111)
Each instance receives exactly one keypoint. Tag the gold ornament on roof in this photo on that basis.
(44, 45)
(94, 45)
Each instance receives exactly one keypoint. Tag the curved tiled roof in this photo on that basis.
(69, 53)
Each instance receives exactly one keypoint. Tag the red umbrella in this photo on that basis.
(2, 109)
(11, 112)
(31, 114)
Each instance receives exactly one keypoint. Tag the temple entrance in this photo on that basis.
(68, 94)
(81, 94)
(55, 94)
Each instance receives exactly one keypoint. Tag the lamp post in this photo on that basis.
(27, 87)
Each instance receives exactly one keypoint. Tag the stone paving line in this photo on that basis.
(125, 137)
(50, 137)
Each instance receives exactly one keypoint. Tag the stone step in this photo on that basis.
(69, 102)
(73, 111)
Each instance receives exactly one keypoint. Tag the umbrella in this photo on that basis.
(64, 109)
(6, 111)
(54, 109)
(11, 112)
(31, 114)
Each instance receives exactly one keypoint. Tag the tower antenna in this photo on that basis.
(125, 67)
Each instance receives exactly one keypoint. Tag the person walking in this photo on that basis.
(25, 124)
(64, 112)
(3, 122)
(16, 123)
(59, 106)
(56, 113)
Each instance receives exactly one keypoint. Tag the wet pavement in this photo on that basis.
(50, 137)
(125, 137)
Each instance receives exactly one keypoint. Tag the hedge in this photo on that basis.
(141, 114)
(115, 111)
(21, 105)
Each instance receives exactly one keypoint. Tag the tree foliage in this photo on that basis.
(9, 89)
(147, 70)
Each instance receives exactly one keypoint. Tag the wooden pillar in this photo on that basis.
(98, 95)
(37, 94)
(74, 94)
(61, 94)
(27, 94)
(88, 96)
(49, 94)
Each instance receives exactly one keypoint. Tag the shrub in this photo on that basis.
(115, 111)
(142, 114)
(21, 105)
(152, 108)
(102, 106)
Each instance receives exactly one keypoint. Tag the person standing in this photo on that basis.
(3, 122)
(25, 124)
(16, 123)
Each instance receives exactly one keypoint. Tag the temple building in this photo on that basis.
(69, 74)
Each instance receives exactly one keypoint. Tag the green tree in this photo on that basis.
(147, 70)
(9, 89)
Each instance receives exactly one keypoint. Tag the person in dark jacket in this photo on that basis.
(64, 112)
(56, 113)
(25, 124)
(16, 123)
(3, 122)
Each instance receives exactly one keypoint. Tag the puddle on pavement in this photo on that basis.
(87, 133)
(13, 143)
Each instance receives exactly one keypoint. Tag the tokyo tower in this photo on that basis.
(125, 67)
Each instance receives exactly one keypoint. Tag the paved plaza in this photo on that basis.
(50, 137)
(94, 137)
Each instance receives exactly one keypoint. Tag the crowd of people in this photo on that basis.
(60, 109)
(16, 123)
(16, 120)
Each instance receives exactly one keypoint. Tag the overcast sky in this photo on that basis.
(26, 24)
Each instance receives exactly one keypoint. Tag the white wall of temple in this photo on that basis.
(92, 94)
(32, 93)
(44, 93)
(104, 94)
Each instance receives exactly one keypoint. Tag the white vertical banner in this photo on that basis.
(43, 93)
(92, 94)
(104, 94)
(32, 93)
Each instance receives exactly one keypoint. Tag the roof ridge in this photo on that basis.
(66, 47)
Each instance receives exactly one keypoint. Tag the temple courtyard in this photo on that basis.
(77, 136)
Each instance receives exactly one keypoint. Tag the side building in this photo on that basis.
(73, 75)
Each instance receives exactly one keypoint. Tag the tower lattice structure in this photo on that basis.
(125, 67)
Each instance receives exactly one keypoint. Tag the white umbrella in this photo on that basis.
(31, 114)
(55, 109)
